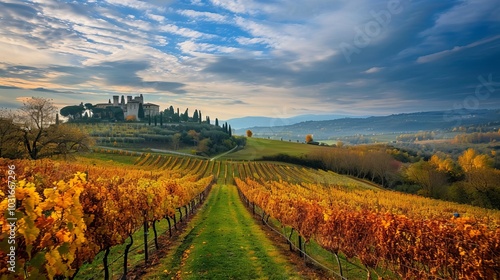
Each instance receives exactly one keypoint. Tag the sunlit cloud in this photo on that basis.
(233, 58)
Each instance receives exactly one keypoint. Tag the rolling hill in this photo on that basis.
(253, 121)
(397, 123)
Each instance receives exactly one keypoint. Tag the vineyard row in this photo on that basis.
(412, 247)
(66, 213)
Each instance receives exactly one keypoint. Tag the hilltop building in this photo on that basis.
(131, 107)
(151, 109)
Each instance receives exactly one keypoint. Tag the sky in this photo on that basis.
(235, 58)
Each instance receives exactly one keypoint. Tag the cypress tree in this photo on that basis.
(195, 116)
(216, 122)
(161, 119)
(141, 112)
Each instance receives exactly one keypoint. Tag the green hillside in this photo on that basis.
(256, 148)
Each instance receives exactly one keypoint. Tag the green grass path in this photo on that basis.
(224, 242)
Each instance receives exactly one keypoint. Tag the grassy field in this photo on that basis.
(97, 158)
(224, 242)
(256, 148)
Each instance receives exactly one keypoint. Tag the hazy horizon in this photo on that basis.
(234, 58)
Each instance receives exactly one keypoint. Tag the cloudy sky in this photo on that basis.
(233, 58)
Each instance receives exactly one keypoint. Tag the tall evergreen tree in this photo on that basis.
(161, 119)
(156, 121)
(229, 130)
(185, 116)
(199, 116)
(208, 119)
(216, 122)
(141, 112)
(195, 116)
(149, 120)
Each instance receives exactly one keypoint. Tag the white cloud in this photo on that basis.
(193, 48)
(461, 18)
(300, 43)
(236, 6)
(184, 32)
(465, 13)
(373, 70)
(135, 4)
(252, 41)
(158, 18)
(292, 42)
(203, 15)
(444, 53)
(357, 83)
(23, 53)
(160, 40)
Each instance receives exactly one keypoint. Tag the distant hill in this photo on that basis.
(256, 121)
(398, 123)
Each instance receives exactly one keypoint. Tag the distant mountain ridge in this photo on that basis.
(258, 121)
(397, 123)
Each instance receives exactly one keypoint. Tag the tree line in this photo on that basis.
(477, 137)
(89, 113)
(470, 179)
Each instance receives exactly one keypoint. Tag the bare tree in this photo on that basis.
(38, 114)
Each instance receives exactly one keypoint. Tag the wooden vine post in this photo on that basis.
(125, 257)
(156, 235)
(105, 263)
(169, 226)
(146, 256)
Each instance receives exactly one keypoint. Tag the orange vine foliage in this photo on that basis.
(410, 235)
(66, 216)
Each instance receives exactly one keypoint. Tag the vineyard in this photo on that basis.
(69, 212)
(226, 171)
(414, 237)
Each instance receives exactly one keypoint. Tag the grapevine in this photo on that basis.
(362, 225)
(64, 223)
